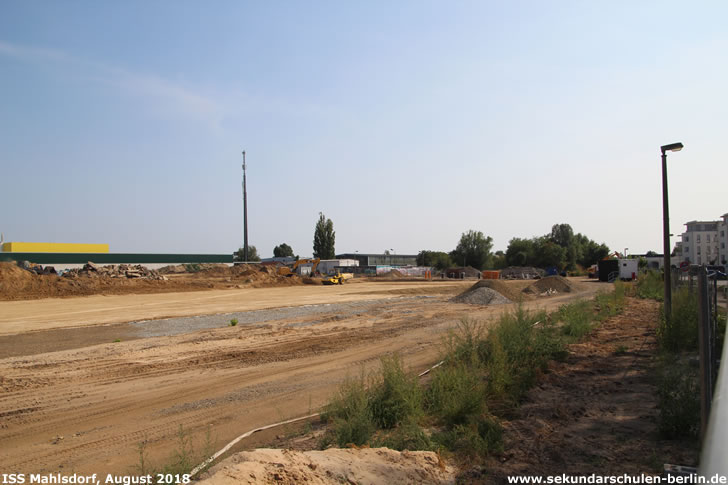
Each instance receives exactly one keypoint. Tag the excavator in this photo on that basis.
(291, 270)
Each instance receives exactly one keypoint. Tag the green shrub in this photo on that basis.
(479, 437)
(192, 267)
(681, 331)
(349, 414)
(465, 344)
(610, 304)
(650, 285)
(576, 318)
(395, 397)
(455, 393)
(679, 397)
(233, 322)
(406, 436)
(517, 351)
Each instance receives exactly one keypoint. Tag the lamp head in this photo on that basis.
(673, 147)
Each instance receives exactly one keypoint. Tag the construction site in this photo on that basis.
(104, 361)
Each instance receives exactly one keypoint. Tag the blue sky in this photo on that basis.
(406, 123)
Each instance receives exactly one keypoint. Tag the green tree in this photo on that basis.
(252, 254)
(519, 252)
(473, 250)
(547, 253)
(282, 250)
(324, 238)
(499, 260)
(435, 259)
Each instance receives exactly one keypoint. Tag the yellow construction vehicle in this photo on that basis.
(291, 270)
(337, 279)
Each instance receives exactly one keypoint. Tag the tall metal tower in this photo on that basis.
(245, 214)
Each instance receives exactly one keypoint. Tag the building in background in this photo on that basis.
(381, 259)
(704, 242)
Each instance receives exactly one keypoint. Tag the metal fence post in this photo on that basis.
(704, 346)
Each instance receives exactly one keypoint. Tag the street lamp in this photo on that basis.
(673, 147)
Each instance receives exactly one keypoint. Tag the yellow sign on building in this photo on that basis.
(32, 247)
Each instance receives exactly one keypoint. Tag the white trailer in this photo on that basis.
(628, 269)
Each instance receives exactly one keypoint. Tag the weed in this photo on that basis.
(480, 436)
(681, 331)
(182, 459)
(679, 396)
(465, 343)
(192, 267)
(621, 350)
(395, 396)
(650, 285)
(117, 340)
(455, 393)
(142, 468)
(233, 322)
(577, 318)
(350, 415)
(406, 436)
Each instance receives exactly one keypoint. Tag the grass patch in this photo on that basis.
(233, 322)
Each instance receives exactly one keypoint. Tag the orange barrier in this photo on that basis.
(491, 275)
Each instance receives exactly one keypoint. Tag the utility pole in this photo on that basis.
(245, 214)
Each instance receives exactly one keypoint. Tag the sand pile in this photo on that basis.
(480, 294)
(13, 278)
(392, 275)
(512, 290)
(332, 466)
(550, 285)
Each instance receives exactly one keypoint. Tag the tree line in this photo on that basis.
(561, 248)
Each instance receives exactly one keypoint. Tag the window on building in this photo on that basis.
(722, 233)
(722, 245)
(700, 261)
(698, 249)
(697, 238)
(687, 238)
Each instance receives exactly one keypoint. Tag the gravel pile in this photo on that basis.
(481, 296)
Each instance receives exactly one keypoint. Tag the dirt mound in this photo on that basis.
(332, 466)
(392, 275)
(481, 295)
(13, 278)
(549, 285)
(512, 290)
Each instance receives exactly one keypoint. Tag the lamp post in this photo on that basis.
(673, 147)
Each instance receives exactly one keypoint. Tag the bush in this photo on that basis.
(407, 436)
(395, 396)
(349, 414)
(454, 394)
(233, 322)
(681, 331)
(679, 394)
(610, 304)
(479, 437)
(517, 352)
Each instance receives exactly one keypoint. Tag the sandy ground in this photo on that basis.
(88, 408)
(333, 466)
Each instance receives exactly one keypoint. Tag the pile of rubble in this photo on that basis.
(131, 271)
(521, 273)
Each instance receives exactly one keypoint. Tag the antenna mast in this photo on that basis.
(245, 214)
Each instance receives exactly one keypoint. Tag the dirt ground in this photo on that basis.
(71, 406)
